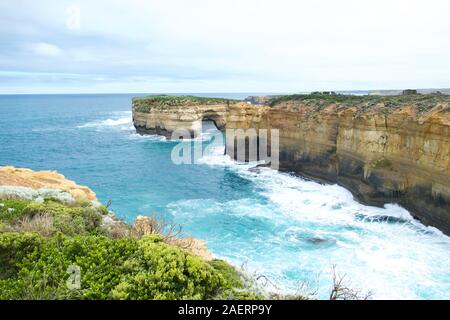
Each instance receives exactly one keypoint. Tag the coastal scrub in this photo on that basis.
(42, 243)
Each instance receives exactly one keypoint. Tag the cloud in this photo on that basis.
(46, 49)
(227, 45)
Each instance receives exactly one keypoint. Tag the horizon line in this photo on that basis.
(216, 92)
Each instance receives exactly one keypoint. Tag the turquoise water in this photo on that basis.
(290, 230)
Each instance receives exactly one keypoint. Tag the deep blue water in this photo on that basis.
(291, 230)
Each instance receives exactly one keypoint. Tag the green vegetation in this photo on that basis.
(322, 99)
(42, 243)
(316, 100)
(56, 251)
(145, 104)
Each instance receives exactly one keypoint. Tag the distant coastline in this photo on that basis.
(239, 95)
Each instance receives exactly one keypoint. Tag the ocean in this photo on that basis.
(288, 231)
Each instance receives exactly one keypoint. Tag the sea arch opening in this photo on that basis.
(211, 116)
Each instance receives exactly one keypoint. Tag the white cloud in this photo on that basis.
(235, 45)
(46, 49)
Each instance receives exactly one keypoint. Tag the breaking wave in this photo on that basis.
(295, 231)
(120, 120)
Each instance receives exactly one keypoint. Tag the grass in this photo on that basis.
(316, 100)
(145, 104)
(423, 103)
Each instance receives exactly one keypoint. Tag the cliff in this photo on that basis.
(52, 247)
(164, 114)
(11, 177)
(382, 148)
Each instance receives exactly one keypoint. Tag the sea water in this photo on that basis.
(288, 231)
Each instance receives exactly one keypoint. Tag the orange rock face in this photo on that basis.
(11, 176)
(383, 149)
(400, 156)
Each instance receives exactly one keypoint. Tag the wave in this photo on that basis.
(147, 137)
(106, 123)
(319, 226)
(290, 229)
(121, 120)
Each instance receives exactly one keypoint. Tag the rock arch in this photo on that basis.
(219, 119)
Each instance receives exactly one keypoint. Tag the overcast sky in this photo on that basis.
(58, 46)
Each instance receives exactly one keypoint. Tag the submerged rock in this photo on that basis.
(381, 219)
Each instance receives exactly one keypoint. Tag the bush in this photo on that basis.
(40, 242)
(320, 100)
(13, 248)
(110, 269)
(167, 272)
(70, 220)
(12, 209)
(146, 104)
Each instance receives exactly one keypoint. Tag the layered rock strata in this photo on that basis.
(383, 149)
(42, 182)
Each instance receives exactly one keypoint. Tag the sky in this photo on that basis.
(120, 46)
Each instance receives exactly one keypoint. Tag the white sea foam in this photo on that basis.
(298, 230)
(121, 120)
(147, 137)
(106, 123)
(315, 227)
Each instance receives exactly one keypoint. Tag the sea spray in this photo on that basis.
(288, 229)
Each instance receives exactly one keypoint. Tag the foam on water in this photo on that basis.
(294, 231)
(291, 230)
(121, 120)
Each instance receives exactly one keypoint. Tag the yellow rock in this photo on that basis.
(19, 177)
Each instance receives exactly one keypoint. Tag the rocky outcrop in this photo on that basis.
(164, 114)
(43, 180)
(383, 149)
(26, 184)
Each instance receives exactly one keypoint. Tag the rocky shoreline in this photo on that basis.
(384, 149)
(57, 241)
(37, 186)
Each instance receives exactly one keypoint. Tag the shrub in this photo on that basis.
(13, 248)
(40, 241)
(110, 269)
(69, 220)
(17, 205)
(145, 104)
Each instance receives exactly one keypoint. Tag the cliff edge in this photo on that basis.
(46, 181)
(385, 149)
(55, 245)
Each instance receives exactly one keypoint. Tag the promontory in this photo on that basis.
(385, 149)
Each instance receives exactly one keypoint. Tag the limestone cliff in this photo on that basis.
(26, 184)
(44, 180)
(383, 149)
(164, 114)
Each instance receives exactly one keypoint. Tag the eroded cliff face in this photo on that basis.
(382, 154)
(163, 115)
(11, 177)
(383, 150)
